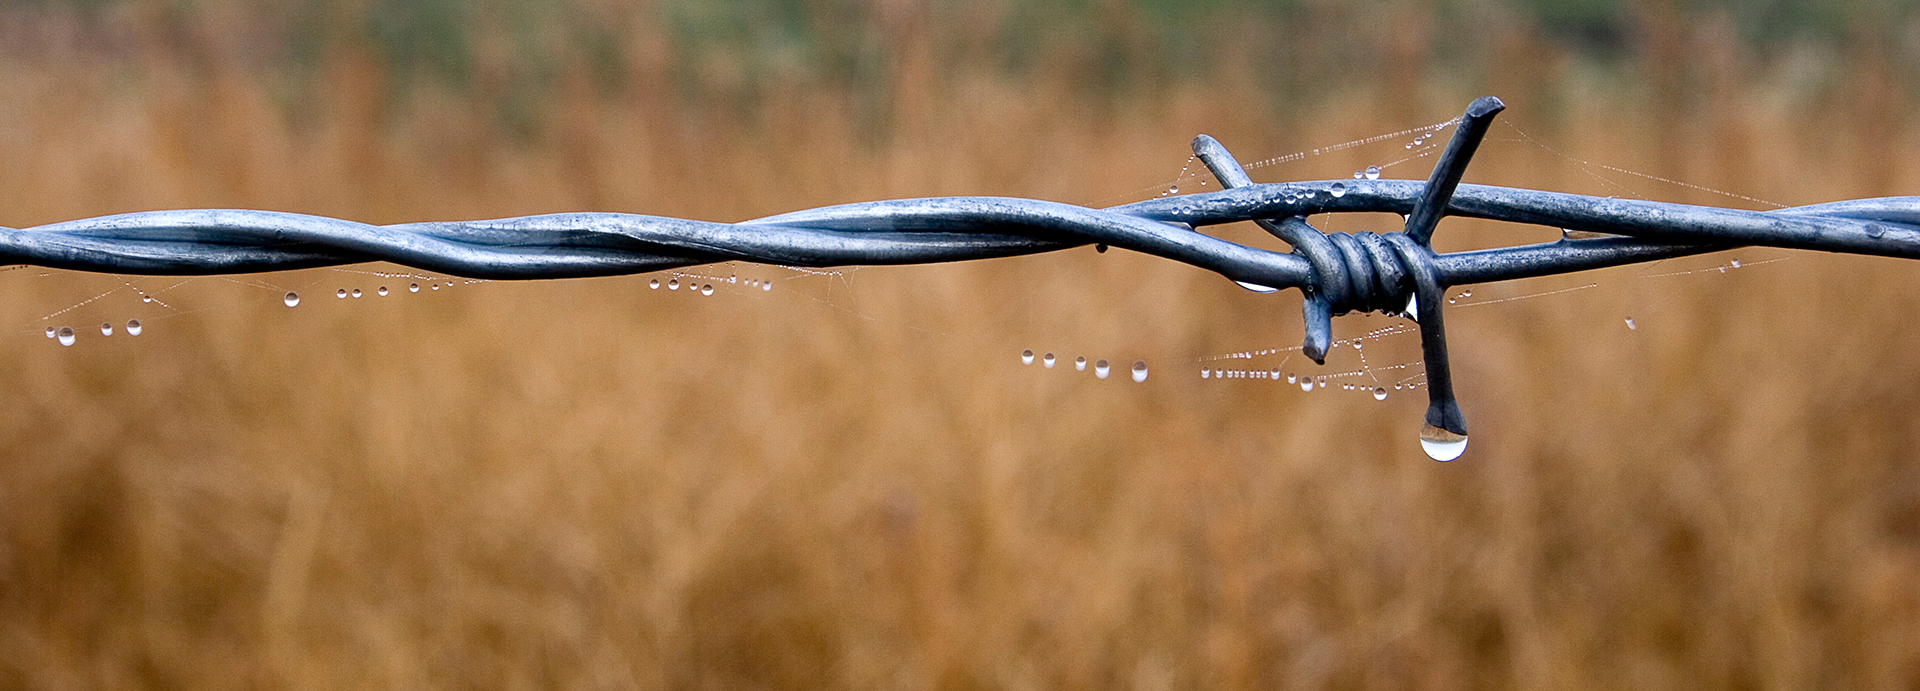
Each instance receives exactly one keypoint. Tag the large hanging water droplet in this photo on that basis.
(1205, 373)
(1356, 344)
(1291, 378)
(1100, 369)
(341, 293)
(66, 336)
(1080, 363)
(653, 284)
(1442, 445)
(1338, 190)
(50, 331)
(1379, 393)
(291, 298)
(1047, 360)
(106, 328)
(706, 289)
(382, 291)
(146, 298)
(1026, 357)
(766, 286)
(1173, 189)
(1306, 383)
(1373, 172)
(133, 327)
(415, 287)
(356, 292)
(672, 284)
(1139, 370)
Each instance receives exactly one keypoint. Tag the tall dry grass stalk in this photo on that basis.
(852, 482)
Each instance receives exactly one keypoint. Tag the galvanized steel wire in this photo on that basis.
(1337, 272)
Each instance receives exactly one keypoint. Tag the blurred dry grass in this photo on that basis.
(590, 484)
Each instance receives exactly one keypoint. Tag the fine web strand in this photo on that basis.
(1194, 176)
(1589, 165)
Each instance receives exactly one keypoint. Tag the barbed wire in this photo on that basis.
(1338, 273)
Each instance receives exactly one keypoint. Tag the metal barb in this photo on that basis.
(1336, 272)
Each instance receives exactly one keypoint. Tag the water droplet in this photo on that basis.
(341, 293)
(1442, 445)
(146, 298)
(1356, 344)
(1139, 370)
(415, 287)
(383, 291)
(1359, 175)
(133, 327)
(356, 292)
(106, 328)
(291, 298)
(1047, 360)
(66, 336)
(652, 284)
(766, 286)
(1203, 183)
(1452, 301)
(1290, 378)
(1466, 293)
(1080, 363)
(706, 289)
(436, 286)
(1026, 357)
(1173, 190)
(1409, 145)
(1100, 369)
(1339, 189)
(1379, 393)
(1274, 374)
(1255, 287)
(1373, 172)
(1875, 230)
(1630, 326)
(1736, 262)
(1205, 373)
(50, 331)
(672, 284)
(1306, 383)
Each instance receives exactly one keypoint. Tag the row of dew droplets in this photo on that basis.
(66, 336)
(1101, 368)
(707, 288)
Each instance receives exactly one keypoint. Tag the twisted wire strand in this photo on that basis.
(948, 229)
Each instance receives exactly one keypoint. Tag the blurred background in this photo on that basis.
(1699, 474)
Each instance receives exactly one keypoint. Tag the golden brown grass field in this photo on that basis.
(850, 481)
